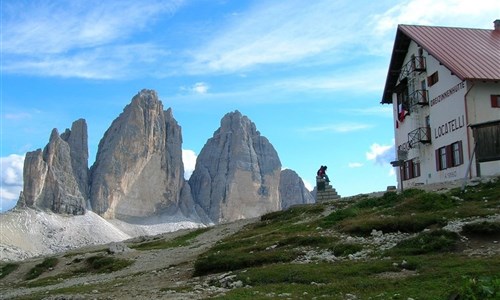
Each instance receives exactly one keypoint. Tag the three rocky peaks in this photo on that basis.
(138, 172)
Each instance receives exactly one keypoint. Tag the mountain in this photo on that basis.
(56, 178)
(137, 184)
(237, 173)
(138, 170)
(292, 190)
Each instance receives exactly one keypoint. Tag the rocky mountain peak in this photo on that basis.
(237, 172)
(56, 179)
(138, 170)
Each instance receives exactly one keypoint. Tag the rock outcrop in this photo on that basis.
(237, 172)
(138, 173)
(292, 190)
(138, 170)
(57, 177)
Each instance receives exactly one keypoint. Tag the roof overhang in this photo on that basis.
(399, 50)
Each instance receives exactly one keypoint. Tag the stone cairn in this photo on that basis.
(324, 191)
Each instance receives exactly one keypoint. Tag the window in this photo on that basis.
(457, 154)
(433, 79)
(495, 100)
(441, 158)
(411, 169)
(449, 156)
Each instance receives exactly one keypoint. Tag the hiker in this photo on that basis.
(322, 173)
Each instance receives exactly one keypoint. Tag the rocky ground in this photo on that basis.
(155, 274)
(167, 273)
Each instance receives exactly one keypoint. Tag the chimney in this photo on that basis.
(497, 24)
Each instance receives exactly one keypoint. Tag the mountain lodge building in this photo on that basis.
(444, 87)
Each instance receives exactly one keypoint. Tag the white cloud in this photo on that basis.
(461, 13)
(381, 154)
(278, 32)
(354, 165)
(339, 127)
(87, 39)
(11, 180)
(189, 160)
(199, 88)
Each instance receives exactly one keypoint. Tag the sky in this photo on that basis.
(309, 74)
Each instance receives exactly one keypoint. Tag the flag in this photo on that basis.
(402, 113)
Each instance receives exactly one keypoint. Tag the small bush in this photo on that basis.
(428, 202)
(337, 216)
(482, 228)
(427, 242)
(404, 223)
(480, 288)
(217, 262)
(42, 267)
(104, 264)
(7, 269)
(180, 241)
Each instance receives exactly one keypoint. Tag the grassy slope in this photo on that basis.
(428, 264)
(330, 251)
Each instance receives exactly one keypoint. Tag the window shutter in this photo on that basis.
(418, 169)
(410, 168)
(494, 101)
(438, 165)
(460, 152)
(449, 156)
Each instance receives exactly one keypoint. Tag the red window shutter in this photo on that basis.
(495, 101)
(438, 165)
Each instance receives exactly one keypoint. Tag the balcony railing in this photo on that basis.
(415, 64)
(419, 97)
(419, 135)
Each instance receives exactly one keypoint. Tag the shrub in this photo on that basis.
(404, 223)
(427, 242)
(218, 262)
(337, 216)
(480, 288)
(42, 267)
(104, 264)
(482, 228)
(179, 241)
(7, 269)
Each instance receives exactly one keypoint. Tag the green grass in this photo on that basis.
(41, 268)
(426, 266)
(427, 242)
(431, 279)
(8, 268)
(103, 264)
(482, 228)
(180, 241)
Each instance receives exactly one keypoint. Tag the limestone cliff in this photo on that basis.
(237, 173)
(138, 170)
(292, 190)
(56, 178)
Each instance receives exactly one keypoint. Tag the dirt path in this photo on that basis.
(155, 274)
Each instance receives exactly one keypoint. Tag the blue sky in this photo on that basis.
(309, 74)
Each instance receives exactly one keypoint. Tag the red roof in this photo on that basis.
(471, 54)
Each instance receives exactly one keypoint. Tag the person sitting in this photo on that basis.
(322, 173)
